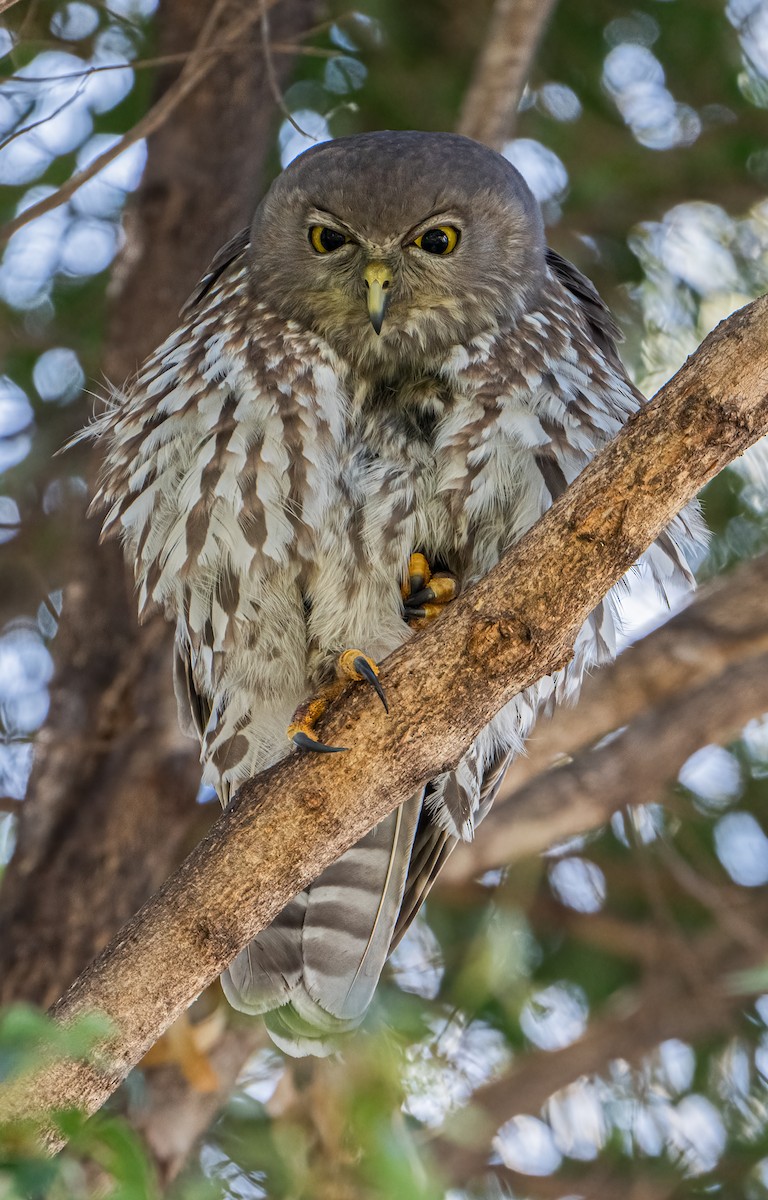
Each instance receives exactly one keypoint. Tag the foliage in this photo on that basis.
(103, 1157)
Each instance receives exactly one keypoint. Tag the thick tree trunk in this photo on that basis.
(110, 809)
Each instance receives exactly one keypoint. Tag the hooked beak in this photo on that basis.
(378, 280)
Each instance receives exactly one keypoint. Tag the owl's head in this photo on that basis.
(397, 246)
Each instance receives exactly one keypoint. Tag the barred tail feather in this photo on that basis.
(265, 973)
(321, 960)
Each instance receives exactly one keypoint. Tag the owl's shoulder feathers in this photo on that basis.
(234, 249)
(593, 308)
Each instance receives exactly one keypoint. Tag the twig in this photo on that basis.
(165, 60)
(269, 70)
(196, 68)
(515, 625)
(490, 106)
(17, 133)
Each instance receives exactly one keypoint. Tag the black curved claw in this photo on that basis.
(414, 614)
(417, 599)
(305, 742)
(364, 669)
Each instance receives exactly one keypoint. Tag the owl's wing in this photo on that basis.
(433, 842)
(671, 558)
(221, 260)
(602, 326)
(193, 709)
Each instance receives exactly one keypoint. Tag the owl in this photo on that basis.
(373, 392)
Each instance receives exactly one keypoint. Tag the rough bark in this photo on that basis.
(515, 29)
(285, 826)
(110, 809)
(699, 678)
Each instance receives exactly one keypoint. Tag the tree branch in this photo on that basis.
(111, 796)
(489, 113)
(725, 624)
(700, 678)
(110, 808)
(517, 624)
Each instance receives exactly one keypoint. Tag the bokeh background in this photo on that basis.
(588, 1021)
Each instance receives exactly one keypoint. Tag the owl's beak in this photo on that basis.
(378, 280)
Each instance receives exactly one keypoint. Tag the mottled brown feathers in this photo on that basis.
(276, 461)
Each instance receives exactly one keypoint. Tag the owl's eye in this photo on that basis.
(441, 240)
(324, 240)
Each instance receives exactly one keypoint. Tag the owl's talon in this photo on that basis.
(419, 575)
(368, 672)
(442, 589)
(353, 664)
(301, 730)
(305, 741)
(425, 595)
(350, 665)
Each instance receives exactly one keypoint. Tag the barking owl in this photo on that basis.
(388, 376)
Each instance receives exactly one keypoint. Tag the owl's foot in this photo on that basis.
(425, 594)
(351, 665)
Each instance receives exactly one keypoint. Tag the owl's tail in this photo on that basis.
(314, 971)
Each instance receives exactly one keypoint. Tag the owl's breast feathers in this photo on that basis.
(269, 496)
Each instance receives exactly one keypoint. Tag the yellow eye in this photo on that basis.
(324, 240)
(443, 239)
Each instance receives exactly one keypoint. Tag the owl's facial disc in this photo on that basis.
(385, 265)
(450, 224)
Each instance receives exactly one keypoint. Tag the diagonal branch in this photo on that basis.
(726, 624)
(664, 1005)
(517, 624)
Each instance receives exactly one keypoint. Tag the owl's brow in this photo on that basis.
(317, 216)
(440, 216)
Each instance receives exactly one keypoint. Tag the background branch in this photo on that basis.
(667, 1004)
(110, 810)
(110, 807)
(197, 66)
(725, 624)
(285, 826)
(699, 678)
(489, 112)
